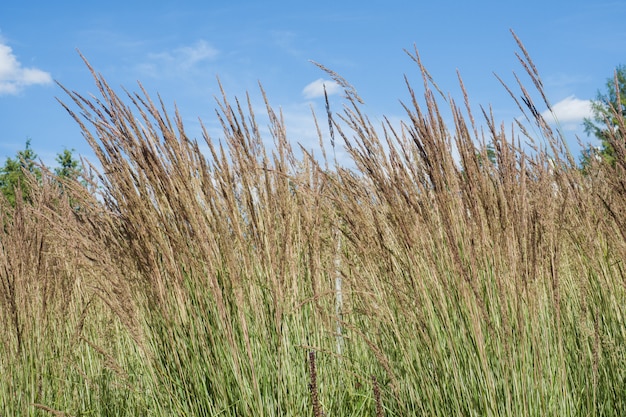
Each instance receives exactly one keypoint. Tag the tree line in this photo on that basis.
(14, 172)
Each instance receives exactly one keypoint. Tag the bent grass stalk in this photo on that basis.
(436, 277)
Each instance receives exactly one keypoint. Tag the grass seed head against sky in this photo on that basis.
(179, 49)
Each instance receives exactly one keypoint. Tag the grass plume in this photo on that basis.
(194, 283)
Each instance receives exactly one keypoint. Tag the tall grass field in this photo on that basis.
(428, 275)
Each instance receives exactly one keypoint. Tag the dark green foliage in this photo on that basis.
(69, 167)
(606, 108)
(13, 174)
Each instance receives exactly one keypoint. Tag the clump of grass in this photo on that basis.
(55, 306)
(430, 278)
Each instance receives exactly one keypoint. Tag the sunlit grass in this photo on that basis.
(428, 280)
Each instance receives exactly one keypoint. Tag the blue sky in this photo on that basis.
(179, 48)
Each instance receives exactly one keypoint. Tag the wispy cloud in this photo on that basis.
(570, 111)
(14, 77)
(287, 41)
(182, 58)
(561, 80)
(316, 88)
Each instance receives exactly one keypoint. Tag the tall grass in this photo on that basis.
(255, 279)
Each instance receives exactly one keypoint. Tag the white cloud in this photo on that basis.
(569, 111)
(188, 56)
(316, 88)
(14, 77)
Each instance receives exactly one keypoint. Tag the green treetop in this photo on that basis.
(13, 173)
(605, 108)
